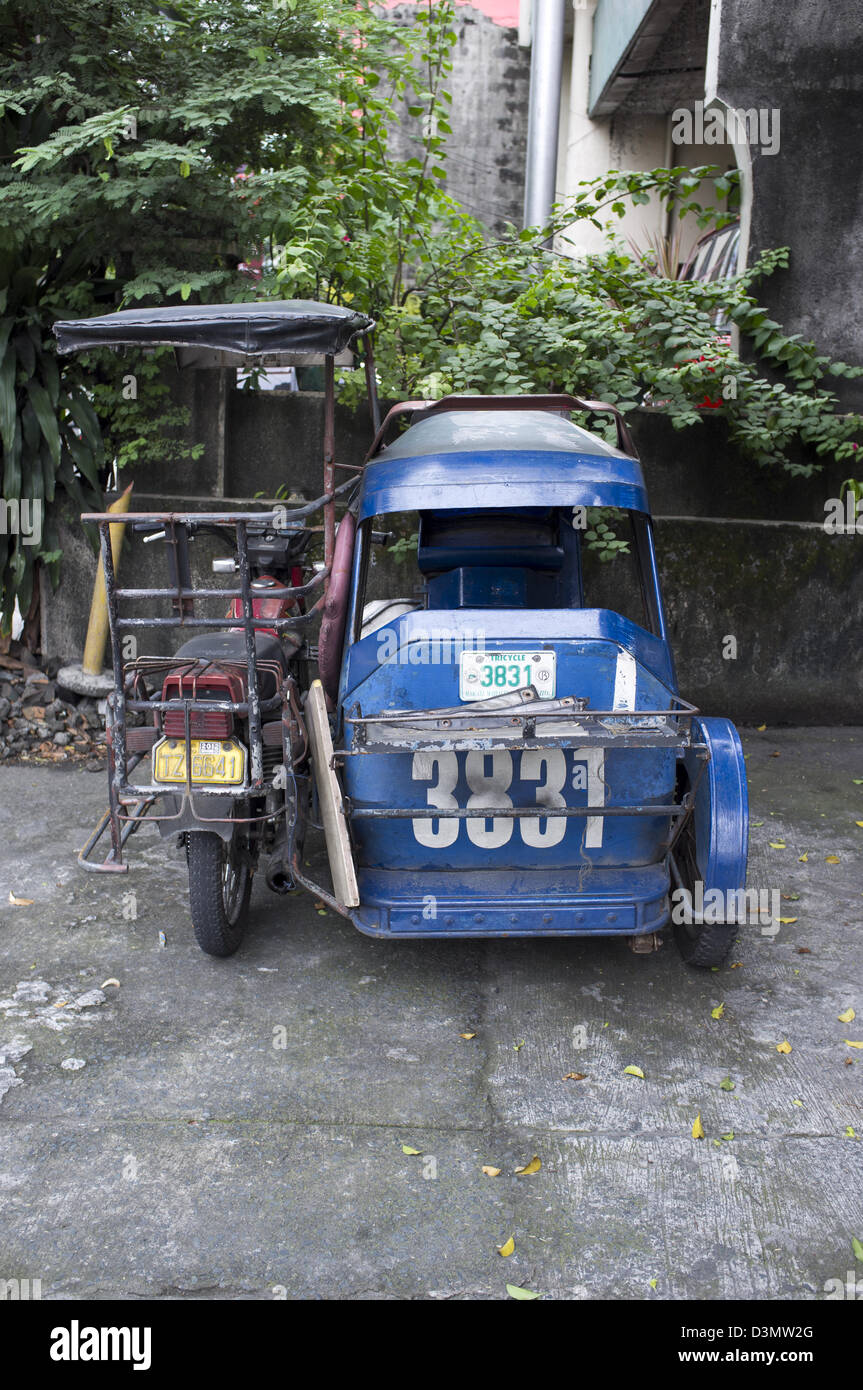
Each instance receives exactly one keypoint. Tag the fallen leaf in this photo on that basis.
(858, 781)
(574, 1076)
(848, 1043)
(786, 921)
(849, 1061)
(803, 951)
(726, 1084)
(777, 844)
(848, 1016)
(698, 1127)
(523, 1295)
(653, 1283)
(718, 1011)
(728, 1137)
(797, 1102)
(804, 859)
(850, 1132)
(857, 1247)
(786, 1046)
(633, 1071)
(467, 1035)
(831, 859)
(532, 1167)
(19, 902)
(406, 1149)
(112, 981)
(776, 754)
(736, 965)
(761, 728)
(507, 1247)
(757, 822)
(491, 1172)
(860, 823)
(518, 1046)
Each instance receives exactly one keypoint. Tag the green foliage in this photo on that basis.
(512, 316)
(157, 153)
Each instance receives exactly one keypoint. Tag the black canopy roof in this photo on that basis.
(267, 332)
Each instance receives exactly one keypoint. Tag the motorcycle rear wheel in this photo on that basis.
(220, 884)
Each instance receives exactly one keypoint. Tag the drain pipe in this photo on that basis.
(546, 67)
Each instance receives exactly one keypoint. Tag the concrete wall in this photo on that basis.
(803, 58)
(742, 551)
(489, 84)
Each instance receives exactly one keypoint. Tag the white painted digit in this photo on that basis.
(548, 767)
(594, 759)
(489, 790)
(441, 796)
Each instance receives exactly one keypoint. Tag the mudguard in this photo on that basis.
(204, 805)
(721, 804)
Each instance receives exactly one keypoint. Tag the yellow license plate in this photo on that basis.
(215, 762)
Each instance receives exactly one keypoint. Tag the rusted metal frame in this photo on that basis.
(329, 457)
(293, 591)
(115, 730)
(255, 739)
(272, 516)
(113, 863)
(179, 568)
(504, 812)
(309, 883)
(703, 752)
(259, 624)
(371, 381)
(407, 717)
(488, 744)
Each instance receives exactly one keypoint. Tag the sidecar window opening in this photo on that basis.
(521, 558)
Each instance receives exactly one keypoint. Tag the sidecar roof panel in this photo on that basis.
(266, 332)
(473, 460)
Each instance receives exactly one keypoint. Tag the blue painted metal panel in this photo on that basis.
(721, 806)
(500, 478)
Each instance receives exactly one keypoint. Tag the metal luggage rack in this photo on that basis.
(130, 803)
(566, 722)
(413, 727)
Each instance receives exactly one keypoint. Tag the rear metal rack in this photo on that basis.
(130, 803)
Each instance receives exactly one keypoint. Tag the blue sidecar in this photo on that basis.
(511, 750)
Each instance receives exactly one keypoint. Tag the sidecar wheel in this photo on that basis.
(220, 884)
(700, 943)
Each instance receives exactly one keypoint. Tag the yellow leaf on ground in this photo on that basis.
(532, 1167)
(112, 981)
(19, 902)
(859, 822)
(831, 859)
(507, 1247)
(524, 1295)
(467, 1035)
(698, 1128)
(490, 1172)
(761, 728)
(804, 859)
(783, 1046)
(848, 1016)
(786, 921)
(718, 1011)
(406, 1149)
(848, 1043)
(633, 1071)
(777, 844)
(574, 1076)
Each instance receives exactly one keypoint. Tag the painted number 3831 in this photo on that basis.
(489, 777)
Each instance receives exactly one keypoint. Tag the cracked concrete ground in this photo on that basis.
(190, 1157)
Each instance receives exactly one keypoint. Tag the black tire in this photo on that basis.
(704, 944)
(220, 884)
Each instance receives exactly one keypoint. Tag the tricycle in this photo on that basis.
(487, 728)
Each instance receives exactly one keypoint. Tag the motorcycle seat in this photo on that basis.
(231, 647)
